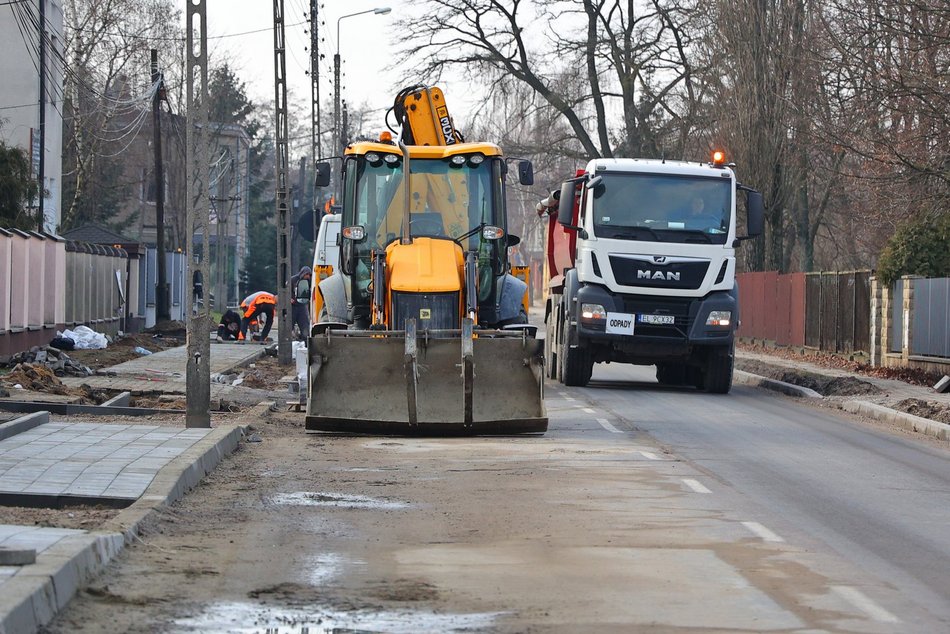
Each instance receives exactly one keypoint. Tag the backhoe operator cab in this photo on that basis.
(456, 206)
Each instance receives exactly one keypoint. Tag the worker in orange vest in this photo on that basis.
(257, 305)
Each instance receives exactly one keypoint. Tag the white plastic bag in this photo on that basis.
(86, 338)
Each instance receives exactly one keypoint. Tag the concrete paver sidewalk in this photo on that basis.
(138, 466)
(165, 371)
(89, 459)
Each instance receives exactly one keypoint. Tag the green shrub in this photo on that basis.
(921, 247)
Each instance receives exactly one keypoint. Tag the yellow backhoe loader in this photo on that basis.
(423, 329)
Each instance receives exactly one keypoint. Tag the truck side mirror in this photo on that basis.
(525, 173)
(755, 217)
(565, 205)
(322, 175)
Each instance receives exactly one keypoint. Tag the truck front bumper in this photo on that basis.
(657, 341)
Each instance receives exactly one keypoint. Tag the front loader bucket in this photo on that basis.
(434, 383)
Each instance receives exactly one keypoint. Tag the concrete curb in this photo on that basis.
(33, 597)
(23, 423)
(747, 378)
(938, 430)
(119, 400)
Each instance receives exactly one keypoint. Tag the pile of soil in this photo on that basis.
(266, 374)
(824, 385)
(34, 377)
(926, 409)
(914, 376)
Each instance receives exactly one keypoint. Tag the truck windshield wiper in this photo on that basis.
(653, 233)
(697, 232)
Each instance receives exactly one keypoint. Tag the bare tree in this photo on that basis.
(107, 90)
(633, 59)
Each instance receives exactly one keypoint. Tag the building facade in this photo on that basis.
(25, 38)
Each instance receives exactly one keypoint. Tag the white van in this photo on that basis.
(326, 259)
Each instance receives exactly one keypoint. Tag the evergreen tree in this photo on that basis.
(17, 189)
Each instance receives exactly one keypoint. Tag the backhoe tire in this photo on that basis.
(577, 363)
(671, 373)
(717, 372)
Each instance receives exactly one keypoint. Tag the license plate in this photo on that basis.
(657, 320)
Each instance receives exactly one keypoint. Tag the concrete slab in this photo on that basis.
(89, 460)
(31, 595)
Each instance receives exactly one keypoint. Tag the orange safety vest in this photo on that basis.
(251, 302)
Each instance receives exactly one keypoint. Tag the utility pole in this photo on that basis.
(281, 138)
(336, 111)
(315, 126)
(162, 308)
(41, 175)
(198, 373)
(315, 130)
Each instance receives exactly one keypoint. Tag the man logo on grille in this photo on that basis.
(425, 313)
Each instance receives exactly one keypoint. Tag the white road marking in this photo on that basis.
(606, 425)
(695, 485)
(589, 410)
(861, 601)
(649, 455)
(762, 532)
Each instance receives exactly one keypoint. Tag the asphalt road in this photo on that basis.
(642, 509)
(827, 481)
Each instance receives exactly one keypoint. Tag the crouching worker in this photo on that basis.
(256, 305)
(230, 327)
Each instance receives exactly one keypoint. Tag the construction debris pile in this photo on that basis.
(54, 360)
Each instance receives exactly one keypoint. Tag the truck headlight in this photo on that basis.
(593, 311)
(719, 318)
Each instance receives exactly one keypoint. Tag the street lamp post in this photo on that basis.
(337, 87)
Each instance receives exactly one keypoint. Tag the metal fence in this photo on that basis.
(826, 311)
(930, 328)
(96, 287)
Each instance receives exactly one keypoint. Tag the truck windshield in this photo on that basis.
(663, 208)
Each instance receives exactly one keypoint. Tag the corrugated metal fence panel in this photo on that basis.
(813, 310)
(796, 309)
(862, 311)
(772, 307)
(930, 328)
(828, 337)
(896, 335)
(845, 312)
(783, 284)
(746, 305)
(769, 326)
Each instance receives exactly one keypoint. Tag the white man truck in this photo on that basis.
(641, 269)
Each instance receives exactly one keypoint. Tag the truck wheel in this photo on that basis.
(671, 373)
(717, 374)
(578, 365)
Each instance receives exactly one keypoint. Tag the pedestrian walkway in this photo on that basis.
(89, 460)
(165, 371)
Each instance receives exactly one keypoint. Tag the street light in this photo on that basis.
(337, 133)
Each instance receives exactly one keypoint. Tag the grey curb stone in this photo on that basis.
(910, 422)
(747, 378)
(23, 423)
(119, 400)
(33, 597)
